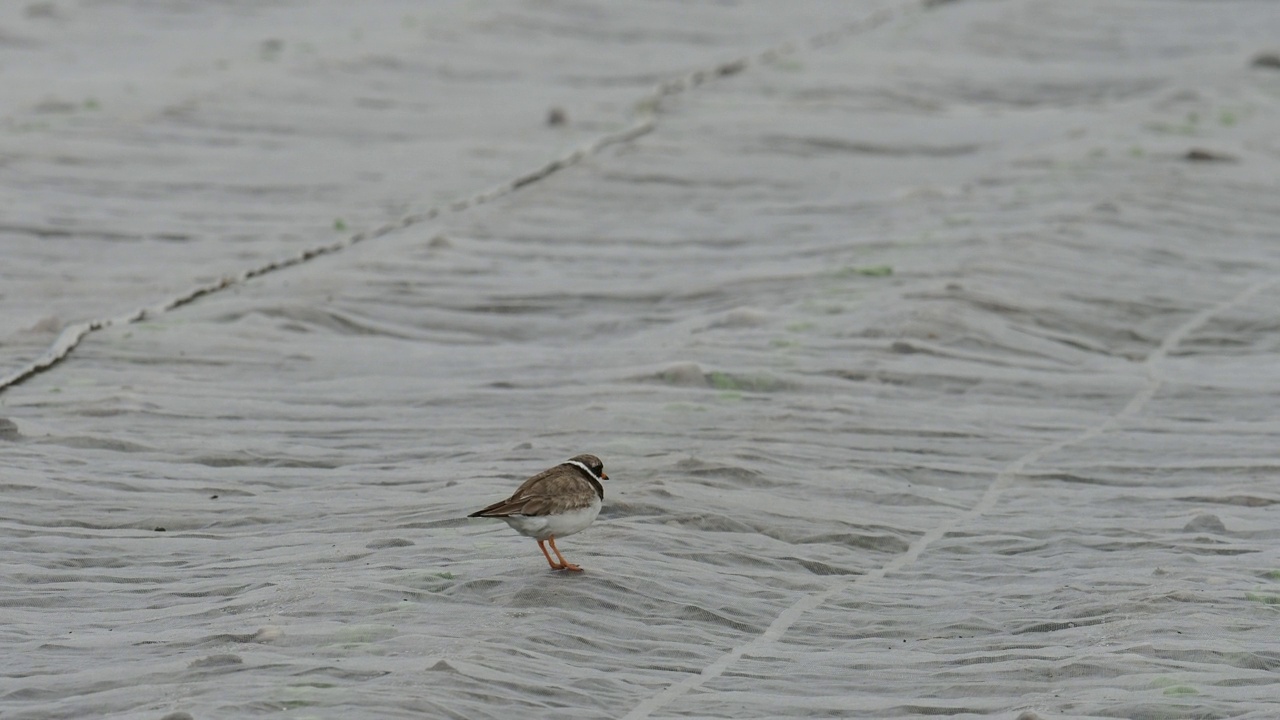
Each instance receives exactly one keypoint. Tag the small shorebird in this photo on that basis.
(554, 503)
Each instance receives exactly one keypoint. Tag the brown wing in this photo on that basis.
(556, 490)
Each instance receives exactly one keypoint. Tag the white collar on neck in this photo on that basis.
(584, 467)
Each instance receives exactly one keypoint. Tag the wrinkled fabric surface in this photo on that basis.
(932, 352)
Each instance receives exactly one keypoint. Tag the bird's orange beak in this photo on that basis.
(604, 475)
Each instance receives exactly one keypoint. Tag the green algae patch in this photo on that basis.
(1181, 690)
(744, 383)
(684, 407)
(722, 381)
(1173, 687)
(360, 634)
(865, 271)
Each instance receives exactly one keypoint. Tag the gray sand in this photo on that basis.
(932, 350)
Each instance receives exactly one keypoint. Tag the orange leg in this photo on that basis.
(547, 555)
(564, 564)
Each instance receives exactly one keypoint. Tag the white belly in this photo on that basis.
(558, 526)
